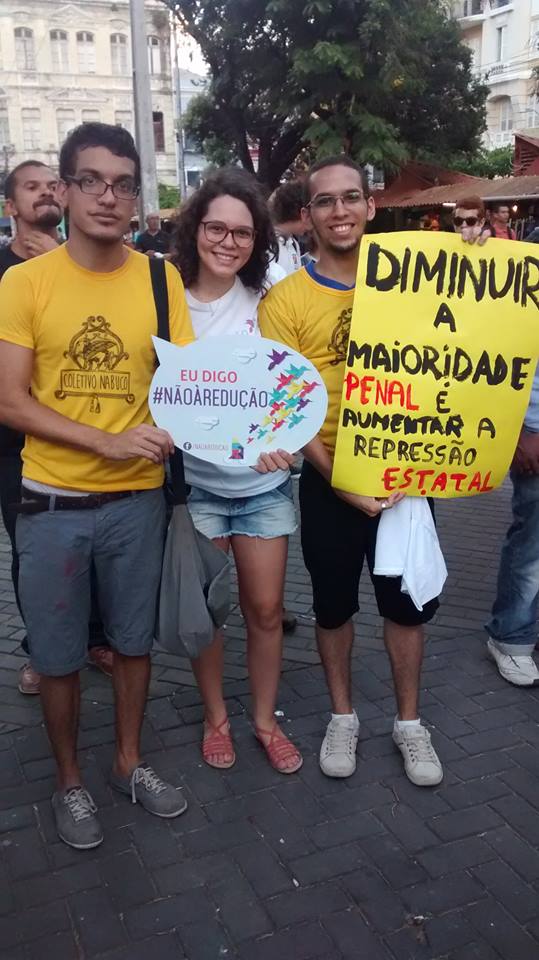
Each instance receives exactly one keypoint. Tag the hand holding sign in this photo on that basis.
(230, 399)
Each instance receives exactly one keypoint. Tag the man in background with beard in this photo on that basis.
(32, 201)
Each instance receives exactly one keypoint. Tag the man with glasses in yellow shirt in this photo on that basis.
(76, 363)
(312, 310)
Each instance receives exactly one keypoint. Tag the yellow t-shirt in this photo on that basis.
(315, 320)
(93, 358)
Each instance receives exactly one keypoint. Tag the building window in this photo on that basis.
(118, 53)
(533, 111)
(65, 121)
(158, 131)
(500, 43)
(154, 55)
(59, 51)
(4, 121)
(24, 49)
(31, 129)
(91, 116)
(124, 118)
(506, 115)
(86, 52)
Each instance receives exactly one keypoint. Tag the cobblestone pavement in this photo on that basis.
(264, 867)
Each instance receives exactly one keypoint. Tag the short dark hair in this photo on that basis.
(286, 202)
(338, 160)
(227, 182)
(11, 179)
(115, 138)
(472, 202)
(494, 207)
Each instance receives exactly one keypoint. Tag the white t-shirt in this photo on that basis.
(234, 313)
(289, 256)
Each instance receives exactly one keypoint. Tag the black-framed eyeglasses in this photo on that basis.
(124, 189)
(215, 232)
(469, 221)
(328, 201)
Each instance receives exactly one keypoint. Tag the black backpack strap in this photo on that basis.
(160, 296)
(176, 491)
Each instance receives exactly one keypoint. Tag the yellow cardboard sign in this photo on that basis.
(441, 358)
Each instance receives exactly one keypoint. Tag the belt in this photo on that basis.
(34, 502)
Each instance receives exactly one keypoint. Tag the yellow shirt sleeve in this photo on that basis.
(17, 309)
(181, 329)
(276, 318)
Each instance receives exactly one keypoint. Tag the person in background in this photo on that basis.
(498, 227)
(32, 200)
(285, 208)
(223, 244)
(154, 242)
(92, 486)
(512, 627)
(469, 217)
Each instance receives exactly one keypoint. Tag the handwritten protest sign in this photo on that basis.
(229, 399)
(441, 357)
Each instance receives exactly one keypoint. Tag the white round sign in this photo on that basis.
(229, 399)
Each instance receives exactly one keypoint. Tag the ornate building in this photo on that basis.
(62, 64)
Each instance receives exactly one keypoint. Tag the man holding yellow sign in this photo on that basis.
(425, 415)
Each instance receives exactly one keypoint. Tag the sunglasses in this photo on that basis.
(469, 221)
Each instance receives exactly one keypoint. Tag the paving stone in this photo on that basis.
(500, 931)
(99, 927)
(306, 903)
(513, 850)
(171, 913)
(505, 885)
(447, 893)
(261, 866)
(457, 855)
(206, 941)
(379, 903)
(164, 946)
(302, 942)
(127, 881)
(407, 827)
(352, 934)
(466, 823)
(237, 906)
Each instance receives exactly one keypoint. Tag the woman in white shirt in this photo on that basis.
(223, 245)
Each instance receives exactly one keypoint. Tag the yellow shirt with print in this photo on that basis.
(93, 358)
(314, 320)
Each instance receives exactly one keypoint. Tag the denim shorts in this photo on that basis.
(123, 542)
(265, 515)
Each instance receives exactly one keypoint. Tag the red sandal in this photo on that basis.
(279, 750)
(218, 743)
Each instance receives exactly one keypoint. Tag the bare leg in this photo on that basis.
(335, 647)
(405, 648)
(208, 670)
(130, 679)
(261, 568)
(60, 700)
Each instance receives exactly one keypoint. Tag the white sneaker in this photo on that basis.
(338, 750)
(421, 763)
(522, 671)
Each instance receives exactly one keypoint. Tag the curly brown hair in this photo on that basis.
(231, 182)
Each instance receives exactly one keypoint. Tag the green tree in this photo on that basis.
(488, 163)
(383, 79)
(169, 197)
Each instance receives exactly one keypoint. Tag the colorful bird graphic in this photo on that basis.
(294, 388)
(275, 407)
(277, 395)
(261, 433)
(253, 427)
(295, 419)
(302, 403)
(278, 424)
(297, 372)
(276, 358)
(284, 380)
(308, 387)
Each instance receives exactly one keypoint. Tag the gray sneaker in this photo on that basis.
(156, 796)
(338, 750)
(76, 823)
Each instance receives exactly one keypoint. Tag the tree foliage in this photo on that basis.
(169, 197)
(382, 79)
(488, 163)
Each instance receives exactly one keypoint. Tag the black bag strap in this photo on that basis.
(177, 491)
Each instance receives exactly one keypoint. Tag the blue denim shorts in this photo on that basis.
(265, 515)
(123, 541)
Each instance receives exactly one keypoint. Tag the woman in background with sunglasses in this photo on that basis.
(223, 245)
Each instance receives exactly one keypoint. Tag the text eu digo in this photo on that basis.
(201, 394)
(453, 276)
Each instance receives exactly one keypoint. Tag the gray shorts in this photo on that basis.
(124, 541)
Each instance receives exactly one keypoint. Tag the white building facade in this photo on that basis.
(62, 64)
(504, 39)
